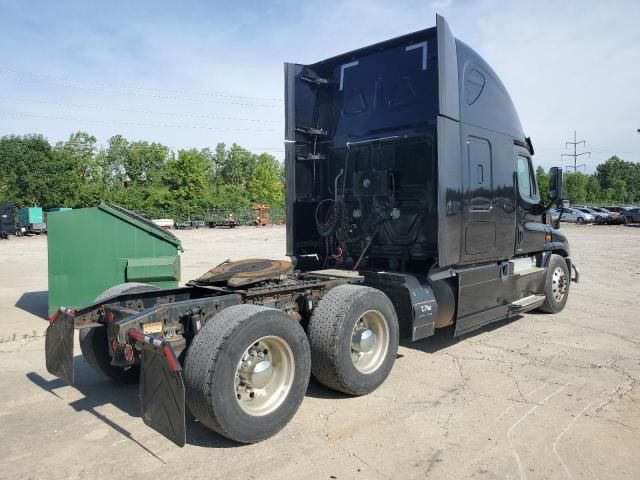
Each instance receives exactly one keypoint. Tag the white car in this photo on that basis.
(574, 215)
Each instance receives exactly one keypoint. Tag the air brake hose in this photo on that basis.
(328, 228)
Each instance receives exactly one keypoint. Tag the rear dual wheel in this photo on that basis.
(248, 368)
(247, 371)
(353, 335)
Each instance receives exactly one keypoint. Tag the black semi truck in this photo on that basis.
(412, 205)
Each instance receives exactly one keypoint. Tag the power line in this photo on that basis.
(137, 124)
(145, 112)
(575, 153)
(134, 87)
(162, 97)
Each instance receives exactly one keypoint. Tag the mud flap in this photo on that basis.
(59, 345)
(162, 390)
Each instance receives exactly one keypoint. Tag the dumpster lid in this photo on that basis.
(140, 222)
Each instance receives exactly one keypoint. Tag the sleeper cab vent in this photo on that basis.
(473, 84)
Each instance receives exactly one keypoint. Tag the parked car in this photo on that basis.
(604, 210)
(613, 218)
(619, 210)
(574, 215)
(598, 217)
(632, 215)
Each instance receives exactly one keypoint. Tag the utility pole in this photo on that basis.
(575, 153)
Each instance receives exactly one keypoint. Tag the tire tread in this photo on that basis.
(325, 334)
(211, 342)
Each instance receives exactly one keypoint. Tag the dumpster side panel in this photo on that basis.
(90, 249)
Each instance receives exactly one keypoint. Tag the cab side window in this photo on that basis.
(527, 180)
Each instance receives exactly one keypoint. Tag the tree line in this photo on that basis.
(614, 182)
(149, 178)
(156, 181)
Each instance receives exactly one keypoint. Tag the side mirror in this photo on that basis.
(555, 183)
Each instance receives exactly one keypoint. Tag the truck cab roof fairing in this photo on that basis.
(470, 91)
(484, 100)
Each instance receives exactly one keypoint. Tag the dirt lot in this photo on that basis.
(539, 397)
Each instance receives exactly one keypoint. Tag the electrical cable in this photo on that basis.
(145, 112)
(97, 85)
(136, 124)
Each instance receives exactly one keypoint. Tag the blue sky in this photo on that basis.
(194, 73)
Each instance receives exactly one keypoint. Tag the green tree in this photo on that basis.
(144, 161)
(36, 174)
(575, 187)
(81, 149)
(265, 185)
(237, 165)
(620, 178)
(542, 179)
(113, 162)
(230, 196)
(187, 178)
(593, 190)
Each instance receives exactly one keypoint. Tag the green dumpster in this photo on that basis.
(93, 249)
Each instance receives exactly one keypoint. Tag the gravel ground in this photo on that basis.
(539, 397)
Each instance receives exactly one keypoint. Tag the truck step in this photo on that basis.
(530, 270)
(527, 303)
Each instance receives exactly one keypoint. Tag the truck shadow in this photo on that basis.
(443, 338)
(35, 303)
(97, 391)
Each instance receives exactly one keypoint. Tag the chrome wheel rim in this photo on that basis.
(264, 376)
(558, 284)
(369, 341)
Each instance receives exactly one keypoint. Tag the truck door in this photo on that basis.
(488, 206)
(530, 231)
(480, 225)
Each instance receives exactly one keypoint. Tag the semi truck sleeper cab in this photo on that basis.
(412, 205)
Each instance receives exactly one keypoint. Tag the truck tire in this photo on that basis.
(247, 372)
(353, 334)
(557, 285)
(94, 341)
